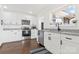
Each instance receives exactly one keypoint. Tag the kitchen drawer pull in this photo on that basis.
(49, 38)
(60, 42)
(49, 34)
(68, 38)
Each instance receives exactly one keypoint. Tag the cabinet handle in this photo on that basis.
(60, 42)
(49, 38)
(49, 34)
(68, 38)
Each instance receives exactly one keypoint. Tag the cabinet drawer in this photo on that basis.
(70, 38)
(70, 44)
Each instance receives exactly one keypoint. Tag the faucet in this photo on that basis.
(58, 27)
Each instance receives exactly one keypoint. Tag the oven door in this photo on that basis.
(26, 33)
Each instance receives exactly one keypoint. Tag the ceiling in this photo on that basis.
(33, 9)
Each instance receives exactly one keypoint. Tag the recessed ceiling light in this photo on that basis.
(5, 7)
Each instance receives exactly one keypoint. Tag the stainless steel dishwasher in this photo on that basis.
(41, 37)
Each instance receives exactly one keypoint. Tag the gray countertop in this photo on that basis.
(64, 31)
(12, 29)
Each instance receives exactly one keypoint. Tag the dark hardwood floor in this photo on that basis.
(19, 47)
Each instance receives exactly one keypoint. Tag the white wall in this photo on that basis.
(48, 18)
(77, 14)
(15, 18)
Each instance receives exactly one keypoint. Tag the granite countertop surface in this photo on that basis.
(64, 31)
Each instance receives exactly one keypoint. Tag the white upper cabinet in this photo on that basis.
(14, 18)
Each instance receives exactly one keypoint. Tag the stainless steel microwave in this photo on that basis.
(25, 22)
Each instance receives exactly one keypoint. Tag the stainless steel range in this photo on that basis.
(26, 31)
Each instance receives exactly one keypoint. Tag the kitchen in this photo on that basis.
(39, 29)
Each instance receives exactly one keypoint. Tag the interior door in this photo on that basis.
(70, 44)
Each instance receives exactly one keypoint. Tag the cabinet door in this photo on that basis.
(52, 42)
(34, 33)
(69, 44)
(5, 36)
(48, 41)
(16, 35)
(55, 43)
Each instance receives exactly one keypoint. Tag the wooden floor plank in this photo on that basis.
(18, 47)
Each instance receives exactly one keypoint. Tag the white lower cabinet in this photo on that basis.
(61, 43)
(8, 36)
(34, 33)
(47, 41)
(16, 35)
(70, 44)
(52, 42)
(55, 38)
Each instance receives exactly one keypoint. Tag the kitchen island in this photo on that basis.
(65, 41)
